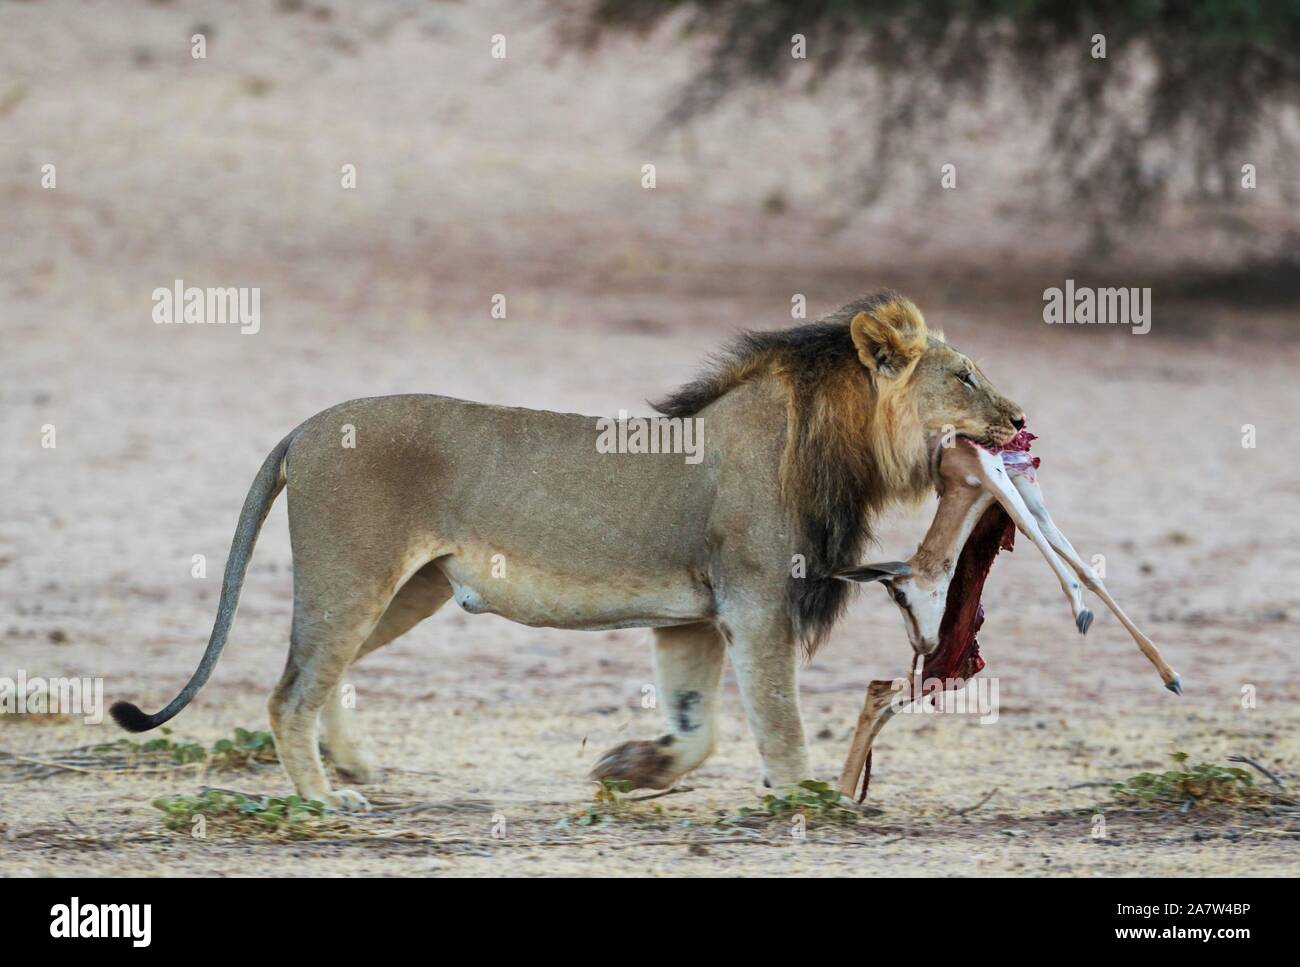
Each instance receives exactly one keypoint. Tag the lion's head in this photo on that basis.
(918, 376)
(870, 390)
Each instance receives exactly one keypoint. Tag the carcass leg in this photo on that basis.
(994, 476)
(1033, 497)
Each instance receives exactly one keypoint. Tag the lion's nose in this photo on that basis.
(1018, 422)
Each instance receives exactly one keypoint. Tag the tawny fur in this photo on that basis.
(853, 445)
(806, 435)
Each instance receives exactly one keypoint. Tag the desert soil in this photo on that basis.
(477, 178)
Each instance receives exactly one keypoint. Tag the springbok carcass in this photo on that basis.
(984, 498)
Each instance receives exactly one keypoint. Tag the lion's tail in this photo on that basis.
(266, 487)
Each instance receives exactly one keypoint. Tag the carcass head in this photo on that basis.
(921, 597)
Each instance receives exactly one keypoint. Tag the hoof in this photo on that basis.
(646, 765)
(346, 801)
(1084, 621)
(1176, 686)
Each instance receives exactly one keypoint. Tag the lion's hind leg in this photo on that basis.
(421, 596)
(688, 667)
(336, 609)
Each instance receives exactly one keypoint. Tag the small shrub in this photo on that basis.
(608, 805)
(292, 817)
(244, 750)
(181, 752)
(812, 799)
(1205, 783)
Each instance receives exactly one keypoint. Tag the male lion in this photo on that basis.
(808, 433)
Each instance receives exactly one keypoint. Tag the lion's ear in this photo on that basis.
(890, 337)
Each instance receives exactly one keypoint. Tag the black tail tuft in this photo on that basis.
(131, 718)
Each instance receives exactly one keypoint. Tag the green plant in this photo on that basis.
(610, 790)
(809, 798)
(608, 805)
(245, 749)
(1205, 783)
(294, 817)
(181, 752)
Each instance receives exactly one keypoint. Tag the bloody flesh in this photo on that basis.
(958, 654)
(957, 658)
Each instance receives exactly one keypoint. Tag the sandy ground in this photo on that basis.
(478, 179)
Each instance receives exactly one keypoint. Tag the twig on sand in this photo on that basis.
(82, 769)
(79, 760)
(409, 835)
(697, 842)
(204, 790)
(52, 765)
(413, 772)
(734, 836)
(659, 795)
(970, 809)
(1251, 762)
(448, 806)
(1291, 833)
(742, 841)
(415, 836)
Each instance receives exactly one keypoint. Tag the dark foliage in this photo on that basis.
(1185, 85)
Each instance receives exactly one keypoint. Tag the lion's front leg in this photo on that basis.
(688, 669)
(765, 658)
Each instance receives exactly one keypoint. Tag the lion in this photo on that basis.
(808, 434)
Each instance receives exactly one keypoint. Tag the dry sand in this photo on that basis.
(477, 179)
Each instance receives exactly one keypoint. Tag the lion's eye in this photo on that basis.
(967, 377)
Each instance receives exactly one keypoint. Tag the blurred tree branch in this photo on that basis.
(1185, 87)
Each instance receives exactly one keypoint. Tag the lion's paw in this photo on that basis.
(346, 801)
(646, 765)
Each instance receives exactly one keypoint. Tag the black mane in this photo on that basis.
(810, 349)
(832, 488)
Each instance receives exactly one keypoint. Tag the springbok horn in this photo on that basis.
(991, 472)
(1032, 495)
